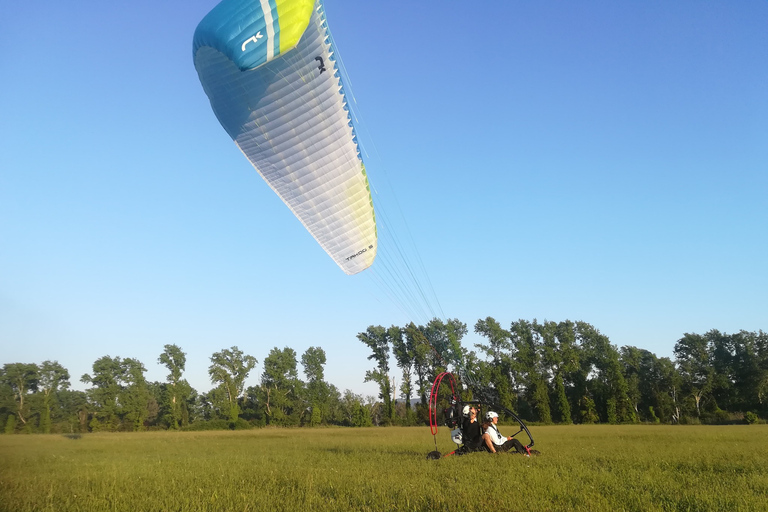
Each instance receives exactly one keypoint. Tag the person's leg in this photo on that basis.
(477, 446)
(513, 443)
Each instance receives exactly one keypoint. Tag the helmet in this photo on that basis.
(465, 411)
(490, 415)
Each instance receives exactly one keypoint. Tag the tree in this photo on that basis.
(419, 347)
(280, 385)
(354, 411)
(588, 410)
(658, 386)
(52, 378)
(313, 361)
(601, 375)
(559, 359)
(177, 390)
(651, 384)
(405, 354)
(229, 369)
(445, 340)
(135, 396)
(22, 379)
(74, 407)
(250, 406)
(212, 405)
(104, 396)
(377, 338)
(566, 365)
(721, 359)
(500, 367)
(750, 362)
(630, 358)
(528, 356)
(692, 355)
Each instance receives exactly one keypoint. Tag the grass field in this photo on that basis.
(590, 468)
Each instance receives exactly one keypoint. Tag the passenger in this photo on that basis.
(465, 416)
(473, 440)
(495, 442)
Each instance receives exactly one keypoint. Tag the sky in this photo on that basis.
(603, 161)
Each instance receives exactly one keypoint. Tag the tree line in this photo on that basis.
(566, 372)
(37, 397)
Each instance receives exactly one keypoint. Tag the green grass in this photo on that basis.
(589, 468)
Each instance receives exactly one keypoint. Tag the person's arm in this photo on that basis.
(488, 442)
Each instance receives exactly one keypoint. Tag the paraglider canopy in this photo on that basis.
(269, 70)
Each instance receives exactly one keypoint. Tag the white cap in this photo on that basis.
(465, 410)
(490, 415)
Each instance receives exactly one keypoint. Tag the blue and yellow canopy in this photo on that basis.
(269, 71)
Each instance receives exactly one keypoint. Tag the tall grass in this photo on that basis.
(590, 468)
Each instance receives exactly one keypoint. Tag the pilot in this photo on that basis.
(494, 442)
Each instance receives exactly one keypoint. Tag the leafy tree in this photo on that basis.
(445, 340)
(334, 414)
(313, 360)
(190, 411)
(562, 404)
(588, 410)
(432, 349)
(354, 411)
(611, 411)
(565, 364)
(478, 368)
(75, 410)
(528, 346)
(318, 396)
(651, 383)
(212, 405)
(559, 358)
(402, 347)
(750, 362)
(722, 361)
(108, 374)
(177, 390)
(280, 386)
(52, 378)
(692, 355)
(7, 405)
(416, 341)
(229, 369)
(157, 391)
(601, 373)
(21, 379)
(377, 338)
(664, 382)
(251, 408)
(135, 396)
(630, 358)
(10, 424)
(500, 368)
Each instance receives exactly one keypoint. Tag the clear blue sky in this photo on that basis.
(598, 161)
